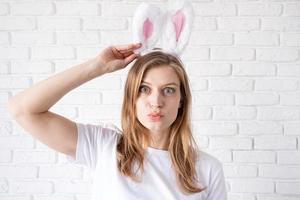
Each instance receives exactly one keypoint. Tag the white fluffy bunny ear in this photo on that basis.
(147, 26)
(178, 26)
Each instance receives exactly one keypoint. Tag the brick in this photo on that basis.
(112, 97)
(77, 9)
(108, 82)
(231, 84)
(274, 142)
(276, 197)
(72, 187)
(60, 172)
(254, 157)
(201, 98)
(215, 9)
(215, 128)
(279, 172)
(32, 38)
(276, 85)
(113, 37)
(290, 99)
(5, 157)
(9, 171)
(277, 55)
(57, 52)
(291, 9)
(238, 24)
(278, 113)
(260, 128)
(58, 23)
(34, 157)
(201, 141)
(17, 23)
(4, 187)
(14, 53)
(204, 24)
(198, 85)
(101, 112)
(252, 186)
(4, 9)
(195, 53)
(290, 39)
(257, 39)
(240, 171)
(85, 53)
(4, 96)
(54, 197)
(31, 187)
(6, 128)
(253, 69)
(259, 9)
(78, 38)
(289, 69)
(230, 143)
(241, 196)
(14, 82)
(4, 68)
(288, 157)
(105, 24)
(209, 69)
(11, 142)
(15, 197)
(4, 38)
(231, 53)
(211, 38)
(280, 24)
(234, 113)
(288, 188)
(254, 99)
(291, 128)
(34, 8)
(223, 155)
(43, 67)
(113, 9)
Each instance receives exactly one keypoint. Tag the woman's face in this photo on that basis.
(159, 99)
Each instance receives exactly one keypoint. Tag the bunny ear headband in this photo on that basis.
(172, 26)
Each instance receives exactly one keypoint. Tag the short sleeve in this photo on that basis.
(91, 142)
(217, 186)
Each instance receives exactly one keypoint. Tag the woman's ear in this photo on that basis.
(147, 26)
(178, 26)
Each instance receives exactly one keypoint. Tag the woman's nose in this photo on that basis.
(156, 99)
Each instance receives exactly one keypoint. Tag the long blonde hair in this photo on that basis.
(134, 140)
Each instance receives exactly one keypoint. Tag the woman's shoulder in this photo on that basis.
(209, 161)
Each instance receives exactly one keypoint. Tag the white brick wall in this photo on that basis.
(244, 70)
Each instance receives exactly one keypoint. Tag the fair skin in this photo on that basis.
(30, 108)
(159, 93)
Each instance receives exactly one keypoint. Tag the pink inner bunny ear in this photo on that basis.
(178, 21)
(147, 29)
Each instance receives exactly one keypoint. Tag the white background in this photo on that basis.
(244, 68)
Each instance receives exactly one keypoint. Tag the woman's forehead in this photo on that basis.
(162, 74)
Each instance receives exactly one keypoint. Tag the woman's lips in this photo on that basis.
(155, 117)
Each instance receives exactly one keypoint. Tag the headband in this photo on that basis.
(171, 26)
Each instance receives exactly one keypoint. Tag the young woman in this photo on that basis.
(154, 156)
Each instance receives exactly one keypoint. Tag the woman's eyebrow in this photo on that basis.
(172, 83)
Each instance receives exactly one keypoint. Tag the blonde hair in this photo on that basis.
(134, 140)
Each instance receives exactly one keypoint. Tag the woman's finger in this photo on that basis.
(128, 47)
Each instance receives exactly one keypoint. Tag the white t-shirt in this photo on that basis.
(96, 149)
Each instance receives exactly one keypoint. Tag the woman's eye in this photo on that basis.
(143, 89)
(169, 90)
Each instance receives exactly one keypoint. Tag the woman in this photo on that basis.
(154, 156)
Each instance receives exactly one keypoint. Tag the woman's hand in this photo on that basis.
(113, 58)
